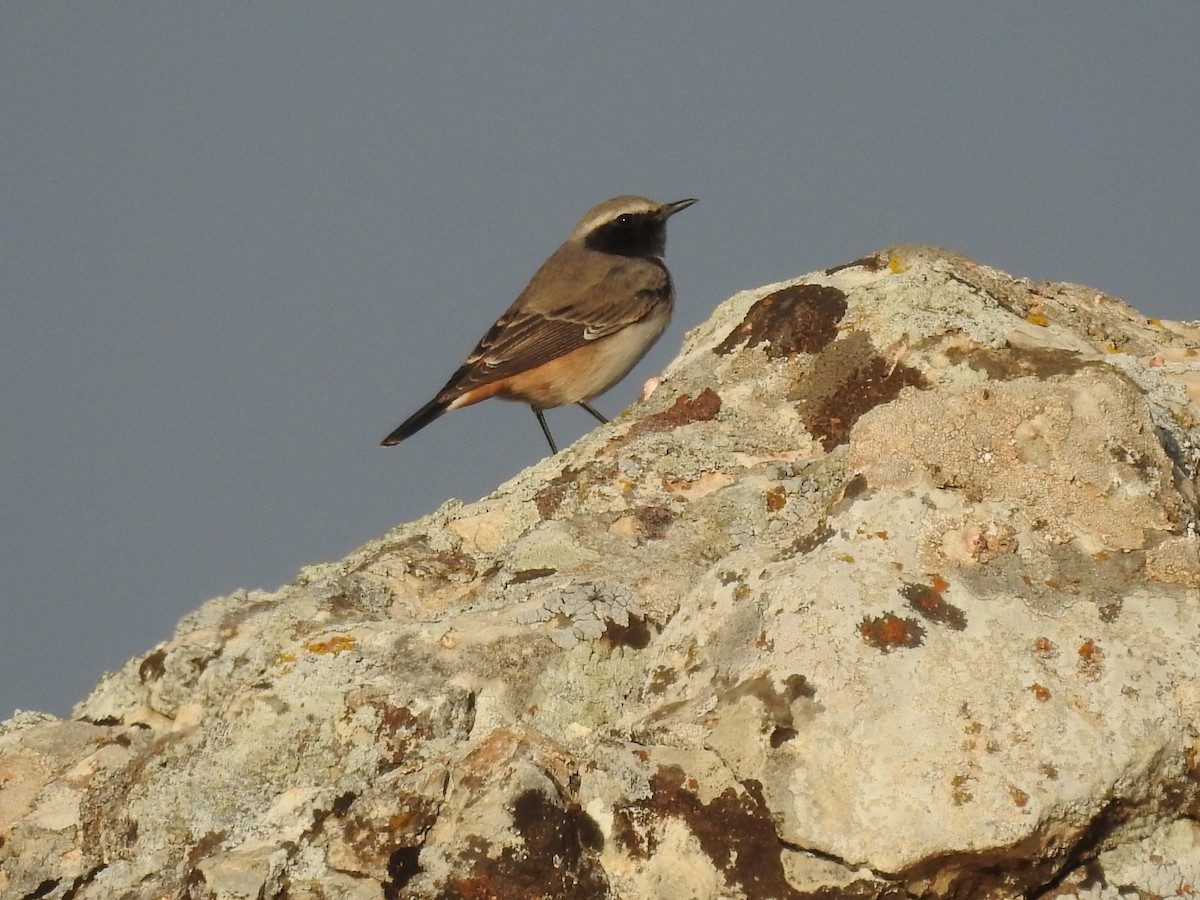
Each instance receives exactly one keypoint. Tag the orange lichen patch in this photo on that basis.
(1037, 318)
(1154, 323)
(927, 601)
(335, 644)
(889, 632)
(1040, 692)
(938, 583)
(285, 659)
(802, 318)
(1045, 648)
(1019, 797)
(1091, 659)
(896, 266)
(776, 499)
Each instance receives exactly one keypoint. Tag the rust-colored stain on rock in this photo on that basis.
(927, 601)
(635, 634)
(153, 666)
(653, 521)
(685, 410)
(871, 385)
(556, 857)
(1010, 363)
(778, 722)
(1091, 659)
(806, 543)
(550, 498)
(392, 845)
(802, 318)
(889, 632)
(1045, 648)
(735, 830)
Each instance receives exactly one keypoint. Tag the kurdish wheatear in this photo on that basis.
(588, 315)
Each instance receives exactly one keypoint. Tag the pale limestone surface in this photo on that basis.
(890, 588)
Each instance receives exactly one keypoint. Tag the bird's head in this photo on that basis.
(628, 226)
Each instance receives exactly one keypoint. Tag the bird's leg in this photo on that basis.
(545, 430)
(588, 407)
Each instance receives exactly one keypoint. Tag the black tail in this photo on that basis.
(416, 421)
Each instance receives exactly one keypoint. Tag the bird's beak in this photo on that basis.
(669, 209)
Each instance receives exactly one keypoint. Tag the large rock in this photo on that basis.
(890, 588)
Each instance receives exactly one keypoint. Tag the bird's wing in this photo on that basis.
(543, 325)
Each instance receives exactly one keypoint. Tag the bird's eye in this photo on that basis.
(624, 219)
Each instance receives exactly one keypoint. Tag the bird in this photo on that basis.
(589, 313)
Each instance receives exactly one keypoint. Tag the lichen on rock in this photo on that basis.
(890, 588)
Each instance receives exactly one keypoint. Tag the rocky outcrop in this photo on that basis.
(890, 588)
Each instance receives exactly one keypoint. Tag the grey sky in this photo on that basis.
(241, 242)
